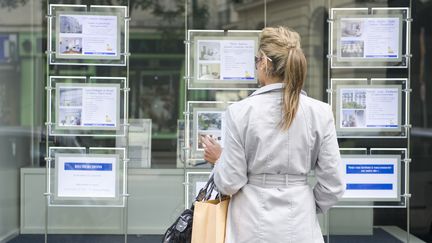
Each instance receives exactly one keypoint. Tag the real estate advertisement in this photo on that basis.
(87, 36)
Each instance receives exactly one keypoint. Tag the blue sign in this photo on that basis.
(364, 186)
(369, 169)
(88, 166)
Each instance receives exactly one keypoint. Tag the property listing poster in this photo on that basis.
(86, 176)
(92, 107)
(371, 38)
(212, 124)
(87, 36)
(370, 108)
(371, 177)
(225, 60)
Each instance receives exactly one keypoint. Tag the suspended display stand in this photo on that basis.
(212, 64)
(87, 105)
(371, 108)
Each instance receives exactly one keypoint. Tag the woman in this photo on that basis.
(273, 139)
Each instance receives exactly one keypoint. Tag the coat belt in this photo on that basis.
(277, 180)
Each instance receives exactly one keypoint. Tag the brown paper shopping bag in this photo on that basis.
(209, 221)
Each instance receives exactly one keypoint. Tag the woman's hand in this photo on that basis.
(212, 149)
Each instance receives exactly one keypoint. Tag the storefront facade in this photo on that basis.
(158, 87)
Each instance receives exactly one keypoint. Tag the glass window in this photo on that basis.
(156, 71)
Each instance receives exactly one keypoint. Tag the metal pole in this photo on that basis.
(48, 120)
(329, 59)
(126, 121)
(186, 115)
(408, 155)
(265, 13)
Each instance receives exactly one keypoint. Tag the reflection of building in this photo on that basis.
(70, 25)
(70, 97)
(358, 98)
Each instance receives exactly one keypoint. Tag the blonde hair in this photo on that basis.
(288, 64)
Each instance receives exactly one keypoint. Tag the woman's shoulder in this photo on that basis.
(315, 108)
(313, 103)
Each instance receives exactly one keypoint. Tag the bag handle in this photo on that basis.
(206, 192)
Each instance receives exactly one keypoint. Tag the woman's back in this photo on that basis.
(272, 200)
(268, 148)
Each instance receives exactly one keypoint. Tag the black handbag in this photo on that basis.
(181, 230)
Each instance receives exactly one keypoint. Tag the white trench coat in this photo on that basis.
(265, 168)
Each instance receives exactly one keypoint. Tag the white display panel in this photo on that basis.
(88, 106)
(360, 39)
(225, 60)
(81, 106)
(371, 177)
(368, 107)
(207, 118)
(195, 180)
(87, 36)
(209, 123)
(139, 143)
(180, 158)
(373, 38)
(371, 108)
(374, 177)
(81, 178)
(222, 60)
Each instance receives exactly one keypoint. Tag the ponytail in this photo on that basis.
(294, 77)
(288, 65)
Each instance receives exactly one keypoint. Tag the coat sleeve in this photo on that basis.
(330, 186)
(230, 171)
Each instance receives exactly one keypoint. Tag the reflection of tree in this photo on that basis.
(10, 4)
(209, 121)
(352, 105)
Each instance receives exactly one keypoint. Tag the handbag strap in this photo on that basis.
(206, 192)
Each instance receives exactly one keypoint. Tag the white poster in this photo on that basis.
(371, 177)
(91, 106)
(87, 36)
(226, 60)
(377, 107)
(86, 176)
(212, 124)
(372, 38)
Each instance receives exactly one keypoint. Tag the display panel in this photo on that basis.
(363, 108)
(369, 37)
(78, 177)
(87, 36)
(222, 60)
(180, 158)
(374, 177)
(210, 123)
(194, 182)
(207, 118)
(371, 177)
(81, 106)
(360, 39)
(139, 143)
(370, 107)
(225, 60)
(88, 106)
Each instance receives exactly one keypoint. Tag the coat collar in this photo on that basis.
(270, 88)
